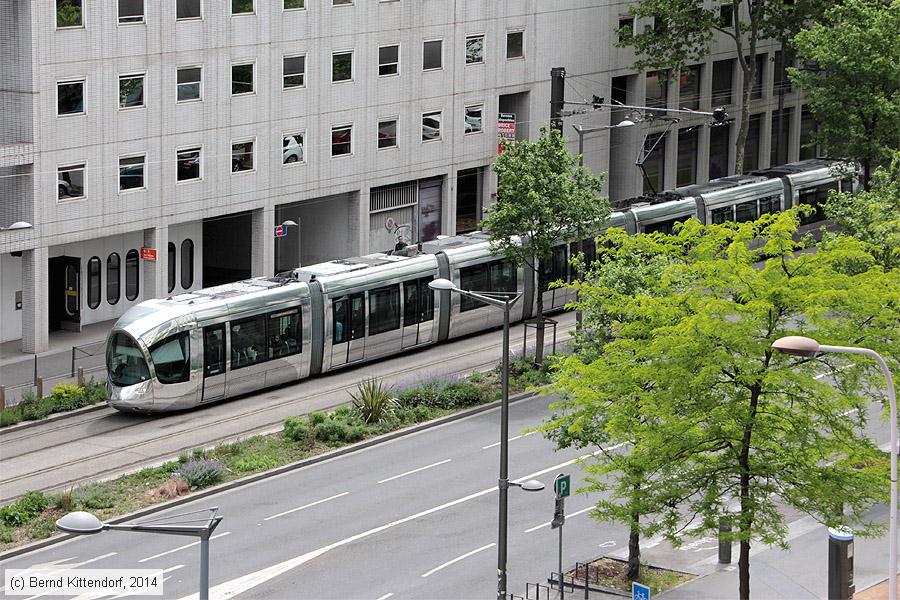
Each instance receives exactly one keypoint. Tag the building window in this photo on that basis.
(515, 44)
(756, 89)
(657, 89)
(431, 126)
(131, 91)
(341, 66)
(782, 81)
(292, 149)
(69, 13)
(474, 49)
(170, 266)
(341, 140)
(131, 11)
(781, 128)
(293, 4)
(188, 164)
(70, 181)
(341, 2)
(722, 76)
(389, 60)
(726, 15)
(719, 146)
(132, 278)
(474, 118)
(131, 173)
(432, 55)
(189, 83)
(751, 147)
(654, 165)
(187, 264)
(241, 7)
(689, 88)
(70, 97)
(242, 156)
(807, 130)
(112, 278)
(93, 281)
(387, 133)
(626, 29)
(687, 157)
(187, 9)
(293, 71)
(241, 79)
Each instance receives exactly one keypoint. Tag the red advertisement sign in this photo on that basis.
(148, 254)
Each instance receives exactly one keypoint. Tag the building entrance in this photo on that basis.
(65, 293)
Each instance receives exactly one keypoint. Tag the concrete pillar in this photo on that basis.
(794, 136)
(448, 202)
(155, 274)
(262, 243)
(35, 283)
(765, 140)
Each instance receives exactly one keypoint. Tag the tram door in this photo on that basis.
(418, 312)
(213, 362)
(348, 333)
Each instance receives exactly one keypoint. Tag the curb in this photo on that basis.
(54, 417)
(237, 483)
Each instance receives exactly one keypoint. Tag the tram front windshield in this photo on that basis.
(125, 363)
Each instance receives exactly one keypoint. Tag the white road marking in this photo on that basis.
(547, 524)
(143, 560)
(415, 470)
(249, 581)
(607, 544)
(458, 558)
(495, 444)
(386, 596)
(293, 510)
(64, 567)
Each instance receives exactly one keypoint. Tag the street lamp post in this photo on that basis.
(84, 523)
(503, 302)
(803, 346)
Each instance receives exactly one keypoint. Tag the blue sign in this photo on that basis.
(639, 592)
(280, 231)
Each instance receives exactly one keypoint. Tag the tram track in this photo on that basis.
(111, 451)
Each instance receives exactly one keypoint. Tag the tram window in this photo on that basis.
(125, 362)
(816, 197)
(426, 300)
(410, 302)
(284, 333)
(132, 281)
(112, 278)
(769, 204)
(721, 215)
(574, 273)
(171, 266)
(384, 309)
(93, 276)
(589, 247)
(503, 276)
(248, 342)
(187, 264)
(340, 324)
(472, 279)
(664, 227)
(745, 211)
(172, 358)
(213, 350)
(555, 268)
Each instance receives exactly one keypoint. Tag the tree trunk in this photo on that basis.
(539, 332)
(746, 516)
(867, 174)
(749, 69)
(634, 549)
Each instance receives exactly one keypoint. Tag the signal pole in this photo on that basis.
(557, 97)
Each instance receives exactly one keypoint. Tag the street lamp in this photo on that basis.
(84, 523)
(807, 347)
(17, 225)
(502, 301)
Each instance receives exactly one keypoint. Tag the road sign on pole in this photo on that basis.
(280, 231)
(562, 486)
(639, 591)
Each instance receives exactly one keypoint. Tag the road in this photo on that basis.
(408, 519)
(105, 443)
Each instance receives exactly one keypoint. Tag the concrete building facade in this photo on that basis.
(154, 146)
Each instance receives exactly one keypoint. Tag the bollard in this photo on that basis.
(840, 564)
(724, 540)
(2, 397)
(81, 376)
(39, 386)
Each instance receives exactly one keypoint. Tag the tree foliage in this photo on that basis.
(719, 424)
(543, 198)
(852, 80)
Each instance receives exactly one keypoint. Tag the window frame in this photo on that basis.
(82, 20)
(183, 149)
(231, 12)
(94, 282)
(302, 160)
(395, 119)
(261, 356)
(624, 20)
(480, 107)
(126, 76)
(252, 141)
(334, 55)
(83, 82)
(284, 75)
(186, 260)
(285, 9)
(339, 127)
(184, 339)
(197, 18)
(440, 67)
(117, 279)
(393, 321)
(396, 64)
(473, 37)
(510, 32)
(252, 64)
(135, 256)
(143, 186)
(143, 17)
(199, 97)
(171, 274)
(72, 167)
(440, 120)
(298, 332)
(342, 3)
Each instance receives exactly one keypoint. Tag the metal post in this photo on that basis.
(35, 378)
(557, 97)
(2, 397)
(561, 590)
(503, 483)
(39, 387)
(80, 376)
(204, 566)
(73, 363)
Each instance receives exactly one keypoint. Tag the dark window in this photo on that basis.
(384, 309)
(746, 211)
(626, 28)
(515, 44)
(70, 181)
(721, 215)
(131, 173)
(816, 197)
(589, 247)
(387, 133)
(187, 264)
(131, 91)
(285, 333)
(657, 89)
(348, 318)
(751, 148)
(474, 49)
(555, 269)
(654, 164)
(125, 363)
(770, 204)
(132, 277)
(341, 140)
(719, 147)
(689, 88)
(239, 7)
(242, 79)
(726, 15)
(722, 79)
(70, 97)
(782, 82)
(687, 157)
(756, 89)
(389, 60)
(502, 276)
(294, 71)
(472, 279)
(807, 129)
(172, 358)
(131, 11)
(781, 128)
(213, 350)
(187, 9)
(432, 55)
(170, 266)
(341, 2)
(248, 342)
(189, 83)
(69, 13)
(418, 301)
(93, 277)
(188, 164)
(341, 66)
(241, 156)
(112, 278)
(293, 4)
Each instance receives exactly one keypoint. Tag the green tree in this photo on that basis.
(543, 199)
(722, 425)
(854, 87)
(873, 215)
(684, 30)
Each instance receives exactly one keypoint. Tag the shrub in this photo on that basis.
(253, 463)
(67, 396)
(344, 412)
(299, 429)
(372, 401)
(10, 416)
(477, 377)
(64, 501)
(336, 430)
(422, 413)
(317, 417)
(24, 509)
(6, 536)
(184, 457)
(95, 496)
(457, 395)
(198, 473)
